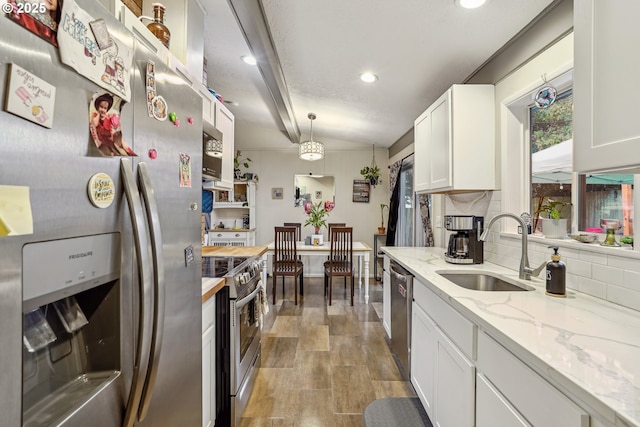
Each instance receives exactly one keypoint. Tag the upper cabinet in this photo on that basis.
(606, 85)
(225, 123)
(454, 142)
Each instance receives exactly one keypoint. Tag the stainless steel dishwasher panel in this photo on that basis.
(401, 299)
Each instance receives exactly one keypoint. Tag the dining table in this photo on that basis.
(360, 250)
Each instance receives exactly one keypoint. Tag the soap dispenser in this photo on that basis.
(556, 275)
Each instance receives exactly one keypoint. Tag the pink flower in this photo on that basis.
(307, 208)
(328, 206)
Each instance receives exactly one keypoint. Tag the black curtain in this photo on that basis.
(394, 206)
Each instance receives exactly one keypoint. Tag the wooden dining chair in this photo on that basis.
(298, 226)
(334, 224)
(285, 260)
(340, 263)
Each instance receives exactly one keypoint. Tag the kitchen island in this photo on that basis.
(585, 348)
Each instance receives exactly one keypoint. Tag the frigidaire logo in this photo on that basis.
(81, 255)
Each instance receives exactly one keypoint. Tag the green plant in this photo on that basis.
(317, 213)
(371, 174)
(239, 161)
(627, 240)
(382, 206)
(552, 208)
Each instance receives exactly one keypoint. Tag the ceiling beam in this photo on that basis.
(253, 24)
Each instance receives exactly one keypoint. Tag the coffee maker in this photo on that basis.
(465, 246)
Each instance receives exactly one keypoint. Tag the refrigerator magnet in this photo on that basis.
(101, 190)
(185, 170)
(159, 108)
(30, 97)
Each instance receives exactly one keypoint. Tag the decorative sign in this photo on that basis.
(105, 126)
(101, 190)
(361, 190)
(109, 68)
(30, 97)
(185, 170)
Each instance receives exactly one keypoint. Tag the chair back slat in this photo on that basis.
(285, 252)
(341, 252)
(298, 226)
(334, 224)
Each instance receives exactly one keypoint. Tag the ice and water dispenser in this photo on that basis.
(71, 325)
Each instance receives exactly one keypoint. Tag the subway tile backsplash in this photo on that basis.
(612, 274)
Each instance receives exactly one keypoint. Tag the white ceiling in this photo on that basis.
(417, 48)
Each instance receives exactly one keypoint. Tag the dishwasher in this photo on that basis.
(401, 300)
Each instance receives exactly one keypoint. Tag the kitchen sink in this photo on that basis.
(483, 281)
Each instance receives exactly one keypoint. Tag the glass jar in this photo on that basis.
(157, 27)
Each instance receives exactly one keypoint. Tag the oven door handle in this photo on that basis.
(246, 300)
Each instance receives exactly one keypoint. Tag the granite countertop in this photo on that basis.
(210, 287)
(587, 347)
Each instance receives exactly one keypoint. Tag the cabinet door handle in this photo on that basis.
(237, 234)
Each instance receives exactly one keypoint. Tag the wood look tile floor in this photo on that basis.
(322, 365)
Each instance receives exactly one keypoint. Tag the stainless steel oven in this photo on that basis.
(238, 340)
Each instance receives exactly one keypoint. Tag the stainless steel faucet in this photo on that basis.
(525, 271)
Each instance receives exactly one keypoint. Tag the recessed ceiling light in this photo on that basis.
(248, 59)
(368, 77)
(471, 4)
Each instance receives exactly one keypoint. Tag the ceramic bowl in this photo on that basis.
(584, 238)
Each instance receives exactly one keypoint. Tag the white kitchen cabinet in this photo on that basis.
(219, 116)
(208, 363)
(454, 376)
(454, 142)
(492, 409)
(225, 123)
(439, 368)
(540, 403)
(386, 296)
(423, 358)
(232, 238)
(606, 86)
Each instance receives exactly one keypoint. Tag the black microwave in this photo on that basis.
(211, 153)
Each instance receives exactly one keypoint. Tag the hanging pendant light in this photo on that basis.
(311, 150)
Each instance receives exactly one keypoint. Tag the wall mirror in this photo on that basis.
(313, 189)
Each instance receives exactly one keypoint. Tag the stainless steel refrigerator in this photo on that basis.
(100, 307)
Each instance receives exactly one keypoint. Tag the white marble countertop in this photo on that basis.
(586, 347)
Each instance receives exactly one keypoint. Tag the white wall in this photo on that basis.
(276, 168)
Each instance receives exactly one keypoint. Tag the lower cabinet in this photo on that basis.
(539, 402)
(208, 363)
(493, 409)
(443, 377)
(232, 238)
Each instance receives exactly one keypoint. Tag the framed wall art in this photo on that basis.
(276, 193)
(361, 190)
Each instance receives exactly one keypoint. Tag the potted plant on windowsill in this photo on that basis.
(553, 227)
(381, 229)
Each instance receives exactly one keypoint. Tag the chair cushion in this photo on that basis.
(287, 266)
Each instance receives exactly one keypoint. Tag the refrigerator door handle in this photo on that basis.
(143, 257)
(153, 219)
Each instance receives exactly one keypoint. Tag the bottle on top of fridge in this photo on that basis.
(157, 27)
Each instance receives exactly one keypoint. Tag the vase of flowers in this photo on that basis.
(317, 218)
